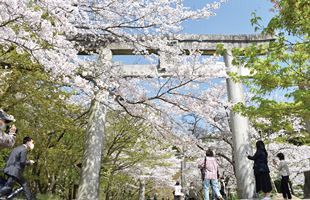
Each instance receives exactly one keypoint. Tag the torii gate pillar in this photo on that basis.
(240, 130)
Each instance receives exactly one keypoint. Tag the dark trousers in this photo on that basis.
(10, 182)
(177, 197)
(285, 187)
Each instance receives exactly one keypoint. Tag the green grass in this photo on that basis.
(44, 197)
(47, 197)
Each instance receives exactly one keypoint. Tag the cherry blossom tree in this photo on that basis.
(53, 32)
(199, 137)
(48, 30)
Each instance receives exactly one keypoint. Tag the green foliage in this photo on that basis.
(48, 197)
(292, 16)
(128, 147)
(41, 109)
(281, 68)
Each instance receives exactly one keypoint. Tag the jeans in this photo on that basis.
(285, 187)
(215, 188)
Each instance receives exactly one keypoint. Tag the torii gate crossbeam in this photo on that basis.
(207, 45)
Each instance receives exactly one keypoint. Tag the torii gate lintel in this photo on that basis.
(207, 44)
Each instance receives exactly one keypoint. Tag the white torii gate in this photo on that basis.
(207, 45)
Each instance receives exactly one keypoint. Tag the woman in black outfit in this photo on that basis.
(261, 169)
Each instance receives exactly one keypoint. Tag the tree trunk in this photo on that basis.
(107, 190)
(142, 189)
(94, 139)
(307, 185)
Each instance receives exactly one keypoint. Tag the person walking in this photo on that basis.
(192, 193)
(7, 134)
(210, 168)
(261, 170)
(177, 191)
(15, 167)
(284, 173)
(222, 187)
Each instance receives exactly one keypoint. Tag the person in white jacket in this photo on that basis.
(7, 135)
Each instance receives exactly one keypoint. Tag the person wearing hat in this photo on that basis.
(7, 138)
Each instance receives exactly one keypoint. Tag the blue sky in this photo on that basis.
(232, 18)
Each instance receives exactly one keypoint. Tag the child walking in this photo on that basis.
(285, 173)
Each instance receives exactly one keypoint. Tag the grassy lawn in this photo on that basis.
(43, 197)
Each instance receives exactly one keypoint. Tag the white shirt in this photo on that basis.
(178, 190)
(283, 168)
